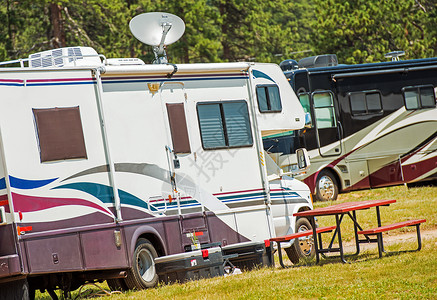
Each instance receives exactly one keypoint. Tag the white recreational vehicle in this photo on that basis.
(106, 164)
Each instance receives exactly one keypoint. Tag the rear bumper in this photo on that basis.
(9, 266)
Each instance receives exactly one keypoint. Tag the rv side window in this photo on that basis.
(60, 133)
(417, 97)
(364, 103)
(268, 98)
(224, 124)
(324, 110)
(178, 128)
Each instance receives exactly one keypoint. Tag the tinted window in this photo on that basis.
(365, 102)
(324, 110)
(358, 103)
(305, 102)
(224, 124)
(60, 133)
(373, 101)
(268, 98)
(211, 126)
(178, 127)
(418, 97)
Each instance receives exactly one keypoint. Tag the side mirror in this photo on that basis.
(303, 160)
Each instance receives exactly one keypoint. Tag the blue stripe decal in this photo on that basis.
(2, 183)
(104, 194)
(25, 184)
(60, 83)
(259, 74)
(241, 196)
(182, 206)
(183, 202)
(12, 84)
(243, 199)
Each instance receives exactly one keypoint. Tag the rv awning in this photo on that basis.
(181, 68)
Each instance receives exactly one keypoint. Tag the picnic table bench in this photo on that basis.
(379, 230)
(289, 237)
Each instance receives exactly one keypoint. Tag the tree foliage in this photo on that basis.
(226, 30)
(364, 30)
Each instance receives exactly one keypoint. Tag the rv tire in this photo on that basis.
(142, 274)
(302, 248)
(117, 284)
(326, 186)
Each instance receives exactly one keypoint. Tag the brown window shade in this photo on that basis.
(178, 128)
(60, 133)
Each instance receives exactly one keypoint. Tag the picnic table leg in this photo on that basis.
(313, 224)
(419, 240)
(334, 234)
(357, 243)
(380, 244)
(378, 217)
(280, 254)
(340, 242)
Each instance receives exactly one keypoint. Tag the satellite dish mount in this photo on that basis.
(157, 29)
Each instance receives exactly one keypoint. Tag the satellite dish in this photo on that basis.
(157, 29)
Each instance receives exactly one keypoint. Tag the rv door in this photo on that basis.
(328, 129)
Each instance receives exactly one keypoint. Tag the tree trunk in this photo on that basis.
(225, 44)
(58, 39)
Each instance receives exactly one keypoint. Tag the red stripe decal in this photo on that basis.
(26, 203)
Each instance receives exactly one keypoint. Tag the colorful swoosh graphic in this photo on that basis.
(259, 74)
(25, 184)
(26, 203)
(104, 194)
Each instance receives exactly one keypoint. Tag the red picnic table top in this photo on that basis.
(343, 208)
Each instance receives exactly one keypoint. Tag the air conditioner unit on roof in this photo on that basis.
(65, 57)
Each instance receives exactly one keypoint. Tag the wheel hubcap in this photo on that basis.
(146, 265)
(306, 242)
(326, 187)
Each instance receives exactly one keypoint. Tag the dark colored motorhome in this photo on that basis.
(368, 125)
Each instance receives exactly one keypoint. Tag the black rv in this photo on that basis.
(367, 125)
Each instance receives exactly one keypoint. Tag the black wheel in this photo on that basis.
(117, 284)
(326, 186)
(16, 290)
(142, 275)
(302, 248)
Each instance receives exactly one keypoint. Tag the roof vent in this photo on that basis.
(288, 65)
(319, 61)
(65, 57)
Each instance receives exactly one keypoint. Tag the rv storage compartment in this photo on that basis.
(250, 255)
(190, 265)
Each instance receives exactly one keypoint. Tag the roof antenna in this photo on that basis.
(157, 29)
(394, 55)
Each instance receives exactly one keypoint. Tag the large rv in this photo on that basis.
(367, 125)
(106, 164)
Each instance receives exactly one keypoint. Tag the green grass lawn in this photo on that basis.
(401, 276)
(411, 275)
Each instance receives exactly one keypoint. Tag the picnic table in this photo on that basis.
(349, 209)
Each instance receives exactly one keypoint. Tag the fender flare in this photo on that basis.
(146, 230)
